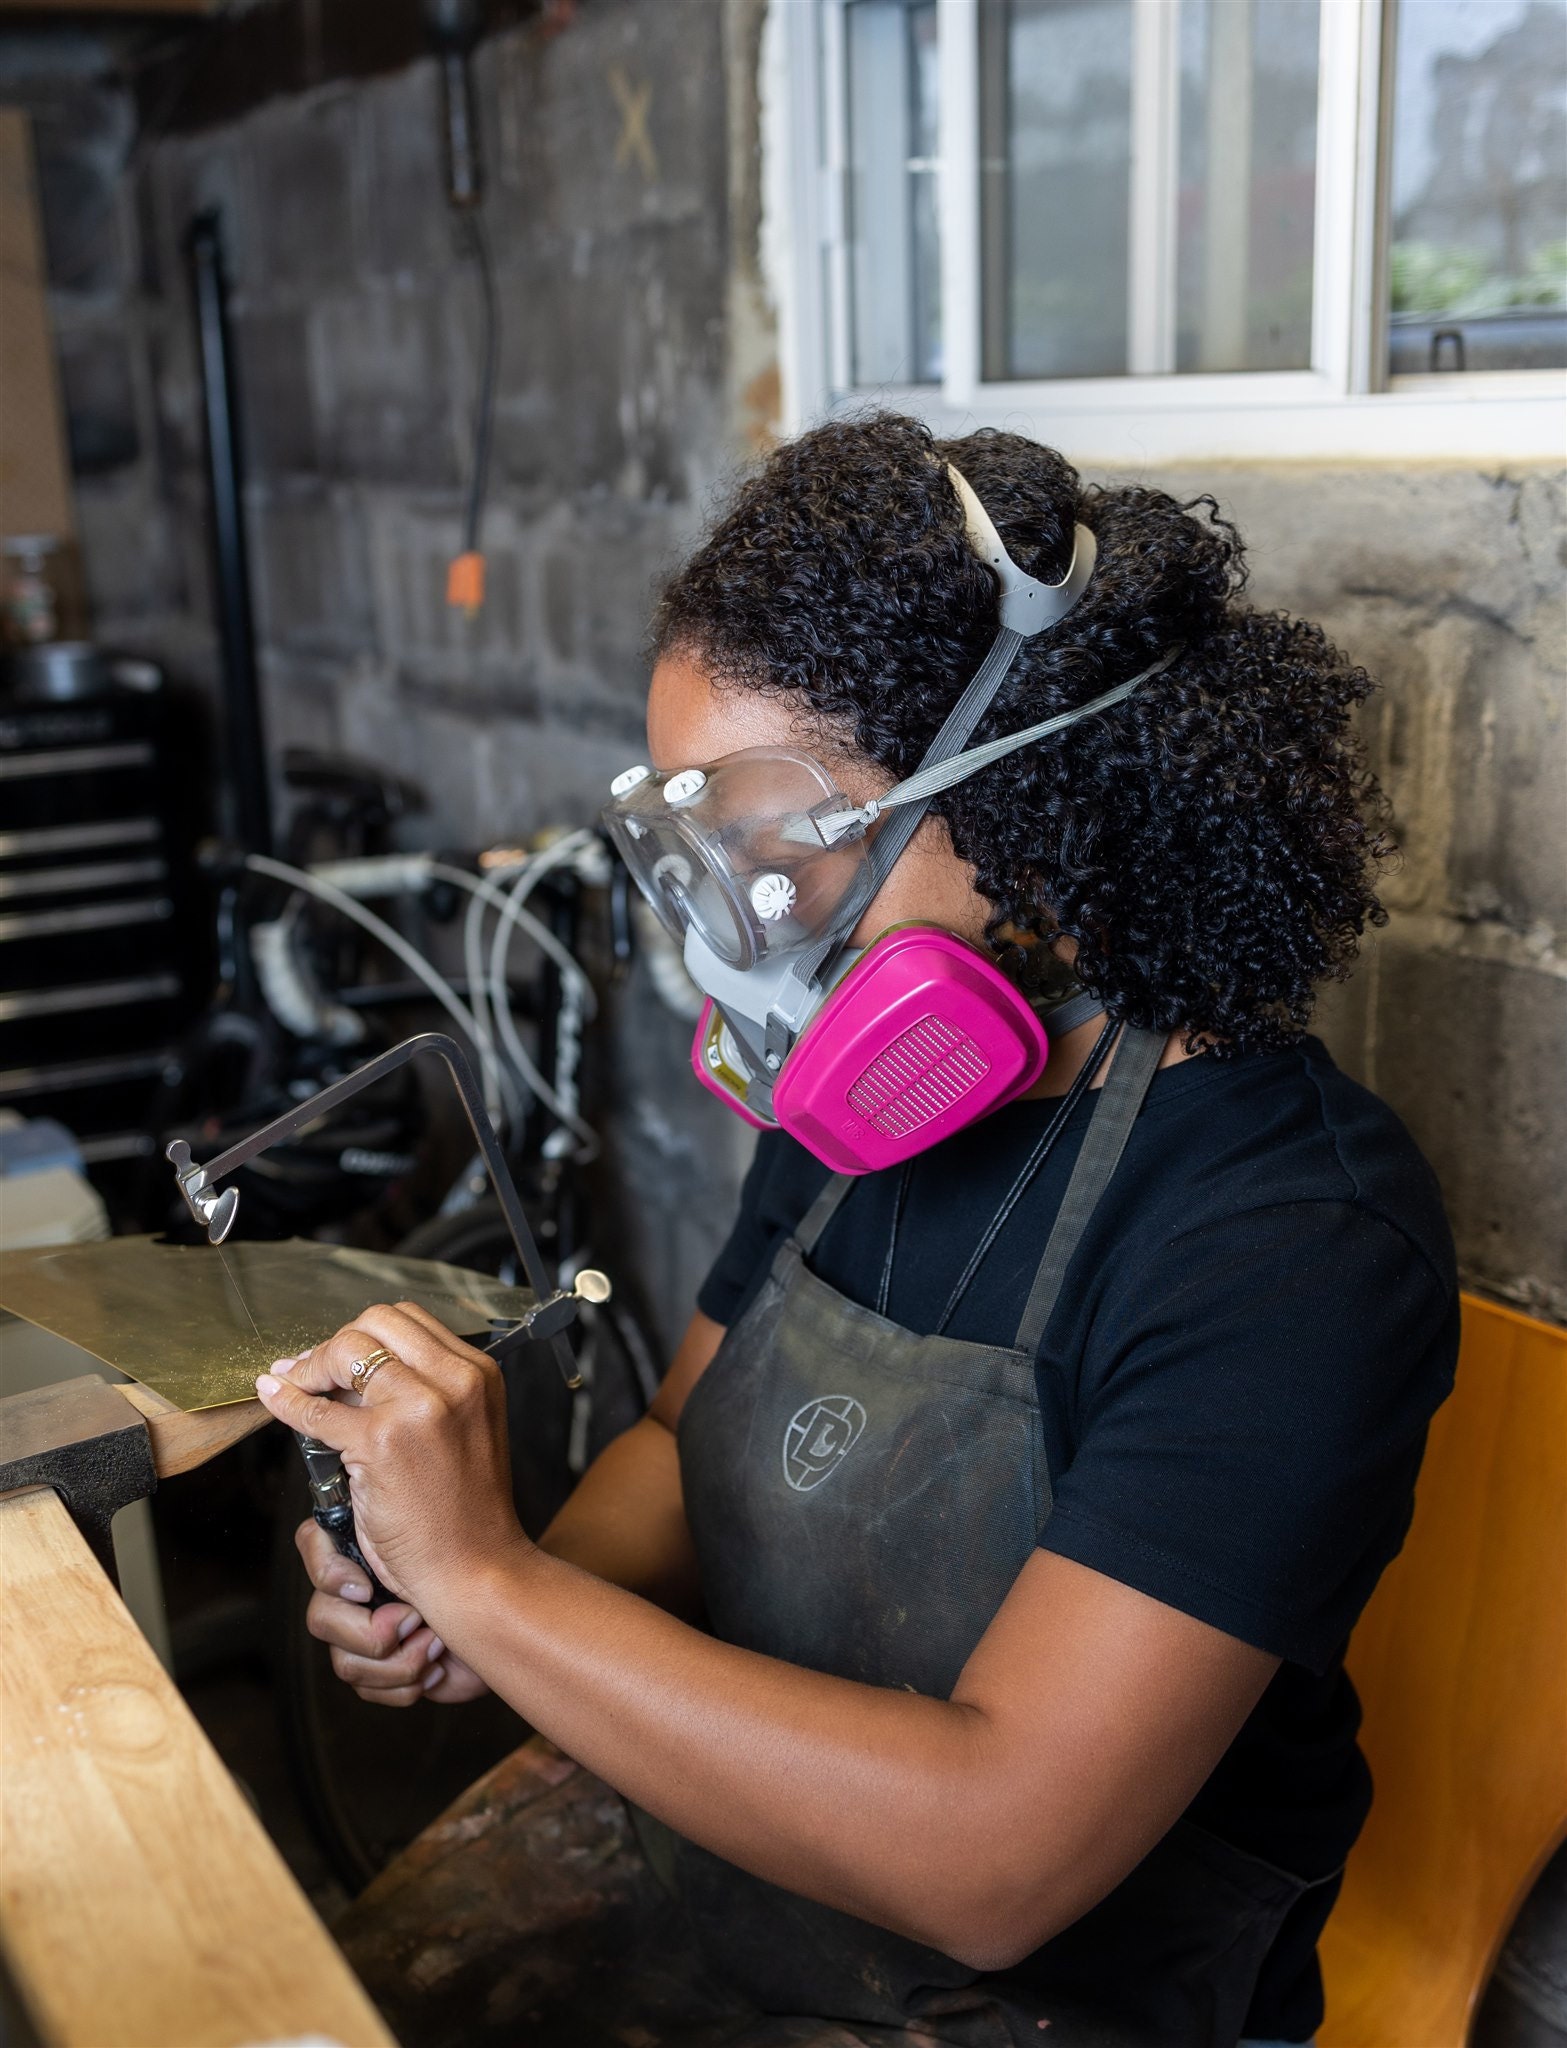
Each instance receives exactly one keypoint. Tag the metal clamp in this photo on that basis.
(549, 1317)
(214, 1212)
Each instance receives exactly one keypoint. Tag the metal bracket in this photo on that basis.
(549, 1317)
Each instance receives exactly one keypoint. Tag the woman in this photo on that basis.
(965, 1622)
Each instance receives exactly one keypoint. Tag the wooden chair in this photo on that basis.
(1461, 1662)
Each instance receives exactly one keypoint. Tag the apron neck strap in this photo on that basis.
(821, 1212)
(1137, 1056)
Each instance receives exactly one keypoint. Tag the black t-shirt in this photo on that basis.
(1235, 1386)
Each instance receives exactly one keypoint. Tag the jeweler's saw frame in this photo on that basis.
(554, 1308)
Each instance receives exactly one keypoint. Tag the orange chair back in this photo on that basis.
(1461, 1663)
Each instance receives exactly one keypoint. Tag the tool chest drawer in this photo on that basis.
(103, 945)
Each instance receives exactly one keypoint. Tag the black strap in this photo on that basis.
(1065, 1017)
(1043, 1147)
(894, 832)
(1137, 1056)
(808, 1231)
(899, 1203)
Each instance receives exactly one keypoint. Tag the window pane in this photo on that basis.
(894, 252)
(1055, 151)
(1479, 198)
(1248, 175)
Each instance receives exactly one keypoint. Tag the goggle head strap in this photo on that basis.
(930, 780)
(1028, 607)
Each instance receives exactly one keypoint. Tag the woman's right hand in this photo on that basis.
(388, 1655)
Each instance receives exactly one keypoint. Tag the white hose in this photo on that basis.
(376, 874)
(291, 991)
(573, 848)
(478, 990)
(511, 914)
(411, 957)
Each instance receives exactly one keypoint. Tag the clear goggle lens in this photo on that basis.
(737, 850)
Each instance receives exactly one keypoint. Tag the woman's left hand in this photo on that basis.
(425, 1445)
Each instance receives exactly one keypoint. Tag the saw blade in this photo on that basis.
(239, 1291)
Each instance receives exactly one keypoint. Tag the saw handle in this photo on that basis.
(333, 1508)
(339, 1525)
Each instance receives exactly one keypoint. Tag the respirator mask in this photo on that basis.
(760, 867)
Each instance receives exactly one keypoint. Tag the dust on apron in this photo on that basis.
(862, 1499)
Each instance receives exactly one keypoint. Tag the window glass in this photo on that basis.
(1055, 160)
(1478, 255)
(1246, 210)
(894, 246)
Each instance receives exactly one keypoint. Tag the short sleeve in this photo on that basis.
(1250, 1419)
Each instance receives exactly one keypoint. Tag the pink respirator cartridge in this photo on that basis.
(921, 1036)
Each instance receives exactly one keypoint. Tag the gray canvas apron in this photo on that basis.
(861, 1500)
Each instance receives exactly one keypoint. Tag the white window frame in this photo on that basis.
(1335, 410)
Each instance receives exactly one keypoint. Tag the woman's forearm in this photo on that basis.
(626, 1520)
(848, 1793)
(1086, 1718)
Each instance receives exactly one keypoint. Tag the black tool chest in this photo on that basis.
(102, 942)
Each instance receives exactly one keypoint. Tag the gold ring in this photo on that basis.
(364, 1370)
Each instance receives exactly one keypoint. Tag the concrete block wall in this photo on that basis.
(1446, 584)
(355, 324)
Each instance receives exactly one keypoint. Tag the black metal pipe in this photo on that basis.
(244, 739)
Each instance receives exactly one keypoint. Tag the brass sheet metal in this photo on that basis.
(196, 1323)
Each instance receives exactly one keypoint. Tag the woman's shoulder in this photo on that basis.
(1281, 1128)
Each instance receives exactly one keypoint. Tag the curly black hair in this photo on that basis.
(1211, 843)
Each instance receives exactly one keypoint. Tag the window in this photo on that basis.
(1479, 202)
(1158, 228)
(895, 237)
(1120, 236)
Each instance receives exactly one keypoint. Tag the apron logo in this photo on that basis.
(819, 1437)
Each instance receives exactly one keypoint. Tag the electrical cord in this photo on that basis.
(502, 1096)
(465, 574)
(512, 916)
(473, 971)
(484, 414)
(408, 874)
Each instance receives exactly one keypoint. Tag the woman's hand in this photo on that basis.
(424, 1447)
(389, 1657)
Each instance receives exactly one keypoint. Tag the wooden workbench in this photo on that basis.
(141, 1903)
